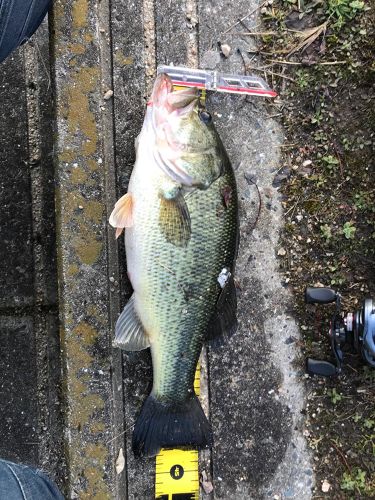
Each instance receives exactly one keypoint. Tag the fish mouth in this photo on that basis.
(168, 106)
(163, 96)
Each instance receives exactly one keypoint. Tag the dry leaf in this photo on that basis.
(308, 37)
(120, 462)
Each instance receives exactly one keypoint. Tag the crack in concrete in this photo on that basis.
(149, 44)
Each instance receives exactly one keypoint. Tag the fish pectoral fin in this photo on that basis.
(223, 323)
(174, 220)
(122, 214)
(130, 334)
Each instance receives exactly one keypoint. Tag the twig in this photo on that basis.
(257, 51)
(293, 207)
(244, 17)
(338, 156)
(264, 68)
(281, 75)
(349, 366)
(266, 71)
(121, 433)
(254, 33)
(292, 63)
(342, 456)
(331, 63)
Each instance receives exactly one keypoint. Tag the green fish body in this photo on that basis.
(181, 245)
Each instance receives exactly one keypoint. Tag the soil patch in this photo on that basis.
(319, 57)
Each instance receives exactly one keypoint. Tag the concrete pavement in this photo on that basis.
(255, 391)
(30, 365)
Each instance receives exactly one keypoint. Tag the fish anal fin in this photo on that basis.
(174, 220)
(122, 214)
(223, 323)
(130, 334)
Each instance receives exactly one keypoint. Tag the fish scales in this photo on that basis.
(179, 285)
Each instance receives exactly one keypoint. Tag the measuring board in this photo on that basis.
(217, 82)
(177, 476)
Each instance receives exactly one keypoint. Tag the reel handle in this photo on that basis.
(322, 368)
(319, 295)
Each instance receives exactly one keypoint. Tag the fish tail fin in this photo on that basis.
(165, 425)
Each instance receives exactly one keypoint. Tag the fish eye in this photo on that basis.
(205, 117)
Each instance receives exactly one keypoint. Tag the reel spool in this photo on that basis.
(355, 329)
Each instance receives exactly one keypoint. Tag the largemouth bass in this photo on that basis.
(181, 220)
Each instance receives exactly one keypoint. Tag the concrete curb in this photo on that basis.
(84, 175)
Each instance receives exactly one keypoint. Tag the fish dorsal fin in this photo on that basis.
(122, 214)
(130, 334)
(223, 323)
(174, 220)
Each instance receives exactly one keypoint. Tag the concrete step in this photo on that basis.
(30, 367)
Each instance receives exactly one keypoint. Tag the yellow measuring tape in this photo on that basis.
(177, 476)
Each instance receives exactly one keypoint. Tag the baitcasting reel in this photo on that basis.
(355, 329)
